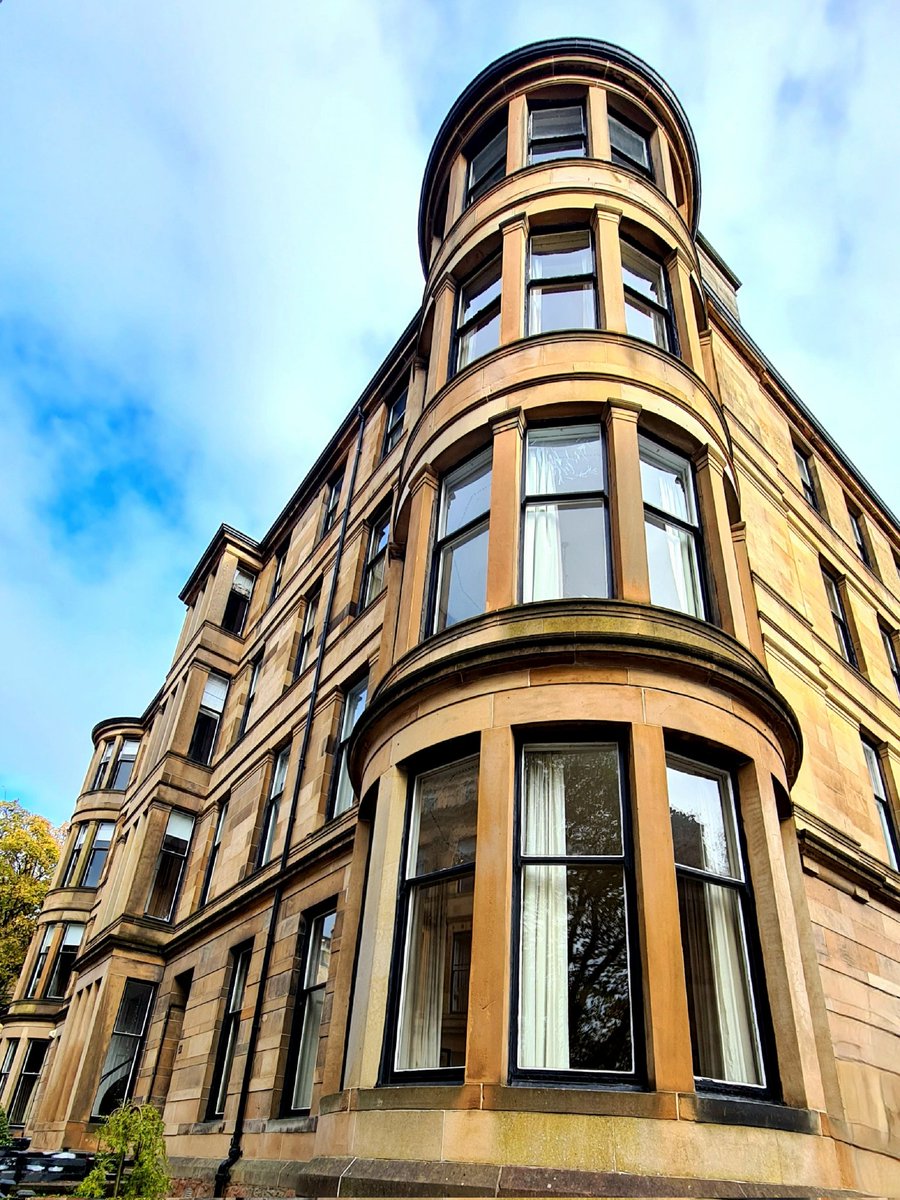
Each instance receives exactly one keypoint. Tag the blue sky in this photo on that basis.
(208, 242)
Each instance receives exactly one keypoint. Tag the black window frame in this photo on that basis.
(302, 991)
(127, 760)
(888, 639)
(60, 974)
(601, 497)
(170, 855)
(99, 846)
(483, 139)
(71, 875)
(221, 818)
(207, 725)
(226, 1043)
(550, 140)
(459, 535)
(256, 665)
(237, 606)
(278, 575)
(619, 157)
(875, 772)
(136, 1042)
(340, 754)
(332, 503)
(859, 535)
(695, 529)
(837, 607)
(808, 484)
(534, 283)
(40, 961)
(492, 266)
(10, 1050)
(269, 821)
(666, 312)
(303, 658)
(105, 759)
(561, 736)
(376, 555)
(29, 1078)
(394, 421)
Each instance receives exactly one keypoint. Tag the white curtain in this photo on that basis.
(420, 1031)
(679, 548)
(543, 544)
(544, 992)
(730, 986)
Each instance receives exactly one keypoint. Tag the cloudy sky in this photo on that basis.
(207, 244)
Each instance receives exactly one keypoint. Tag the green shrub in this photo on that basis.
(5, 1135)
(132, 1132)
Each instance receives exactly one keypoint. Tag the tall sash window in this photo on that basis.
(672, 528)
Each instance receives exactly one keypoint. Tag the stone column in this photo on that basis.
(666, 1020)
(748, 592)
(629, 541)
(415, 396)
(609, 268)
(716, 526)
(660, 156)
(506, 489)
(218, 591)
(396, 555)
(487, 1033)
(413, 595)
(441, 334)
(683, 305)
(598, 125)
(516, 134)
(512, 296)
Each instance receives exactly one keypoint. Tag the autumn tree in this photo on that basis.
(29, 852)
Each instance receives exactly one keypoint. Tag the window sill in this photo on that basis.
(726, 1110)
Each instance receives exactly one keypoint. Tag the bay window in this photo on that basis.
(478, 314)
(713, 897)
(556, 130)
(575, 1007)
(121, 774)
(98, 853)
(71, 871)
(566, 526)
(23, 1096)
(9, 1057)
(672, 528)
(124, 1051)
(561, 282)
(308, 1013)
(435, 915)
(63, 963)
(170, 866)
(40, 962)
(459, 561)
(209, 715)
(102, 765)
(487, 160)
(630, 146)
(648, 302)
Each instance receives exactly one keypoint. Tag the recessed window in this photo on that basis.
(170, 866)
(713, 898)
(221, 818)
(672, 529)
(839, 616)
(478, 314)
(278, 576)
(121, 774)
(308, 1012)
(487, 161)
(66, 953)
(73, 863)
(376, 558)
(238, 603)
(393, 423)
(435, 907)
(23, 1096)
(882, 803)
(218, 1092)
(354, 705)
(888, 640)
(255, 669)
(648, 303)
(575, 973)
(807, 483)
(206, 727)
(100, 774)
(859, 537)
(41, 961)
(566, 529)
(562, 292)
(630, 146)
(98, 854)
(307, 630)
(459, 562)
(124, 1052)
(273, 803)
(332, 500)
(6, 1066)
(556, 131)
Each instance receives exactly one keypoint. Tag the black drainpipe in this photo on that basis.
(223, 1172)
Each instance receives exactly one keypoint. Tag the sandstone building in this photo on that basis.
(519, 814)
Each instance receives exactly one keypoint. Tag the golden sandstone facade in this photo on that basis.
(519, 815)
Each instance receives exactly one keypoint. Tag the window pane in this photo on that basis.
(565, 551)
(479, 292)
(565, 121)
(309, 1049)
(556, 255)
(214, 693)
(642, 321)
(280, 773)
(666, 481)
(561, 148)
(467, 493)
(572, 801)
(179, 828)
(353, 708)
(723, 1028)
(479, 339)
(320, 950)
(569, 459)
(643, 275)
(628, 142)
(462, 583)
(674, 573)
(432, 1033)
(575, 1001)
(442, 828)
(703, 821)
(489, 163)
(554, 306)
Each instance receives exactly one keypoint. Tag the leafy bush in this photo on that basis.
(5, 1135)
(132, 1132)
